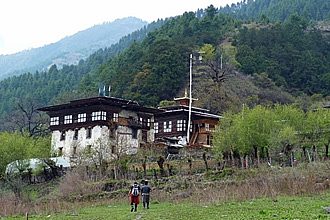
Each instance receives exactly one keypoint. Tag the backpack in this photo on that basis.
(135, 190)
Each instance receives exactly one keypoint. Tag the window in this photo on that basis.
(148, 122)
(89, 133)
(115, 117)
(209, 139)
(62, 138)
(134, 133)
(207, 127)
(74, 151)
(143, 122)
(168, 126)
(68, 119)
(113, 149)
(181, 125)
(82, 117)
(75, 136)
(156, 127)
(112, 132)
(100, 115)
(54, 120)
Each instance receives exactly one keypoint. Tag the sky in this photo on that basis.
(26, 24)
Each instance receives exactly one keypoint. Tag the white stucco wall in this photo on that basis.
(122, 139)
(125, 142)
(67, 145)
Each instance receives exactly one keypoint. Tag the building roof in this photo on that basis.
(129, 105)
(185, 109)
(101, 100)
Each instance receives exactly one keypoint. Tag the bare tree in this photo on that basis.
(15, 177)
(27, 119)
(214, 65)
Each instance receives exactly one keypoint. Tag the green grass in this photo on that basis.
(306, 207)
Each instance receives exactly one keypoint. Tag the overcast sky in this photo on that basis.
(26, 24)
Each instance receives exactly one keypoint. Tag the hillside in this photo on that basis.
(279, 10)
(294, 55)
(70, 49)
(282, 62)
(58, 85)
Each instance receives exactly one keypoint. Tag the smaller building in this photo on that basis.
(172, 122)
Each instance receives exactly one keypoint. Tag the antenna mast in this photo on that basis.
(190, 98)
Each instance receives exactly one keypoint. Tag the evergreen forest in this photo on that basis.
(269, 60)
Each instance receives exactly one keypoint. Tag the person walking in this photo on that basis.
(134, 194)
(145, 191)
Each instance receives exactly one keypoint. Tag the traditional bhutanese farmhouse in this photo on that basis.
(171, 124)
(125, 125)
(85, 123)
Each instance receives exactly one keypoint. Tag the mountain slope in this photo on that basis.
(292, 54)
(152, 64)
(279, 10)
(58, 86)
(70, 49)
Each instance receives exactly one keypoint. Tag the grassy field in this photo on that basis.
(303, 207)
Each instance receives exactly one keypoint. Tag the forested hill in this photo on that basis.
(157, 68)
(279, 10)
(294, 55)
(59, 85)
(70, 49)
(152, 65)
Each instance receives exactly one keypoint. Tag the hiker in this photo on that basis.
(134, 194)
(145, 191)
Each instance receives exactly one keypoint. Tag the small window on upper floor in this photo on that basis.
(148, 122)
(115, 117)
(184, 125)
(207, 127)
(54, 121)
(168, 126)
(179, 125)
(156, 127)
(68, 119)
(100, 115)
(82, 117)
